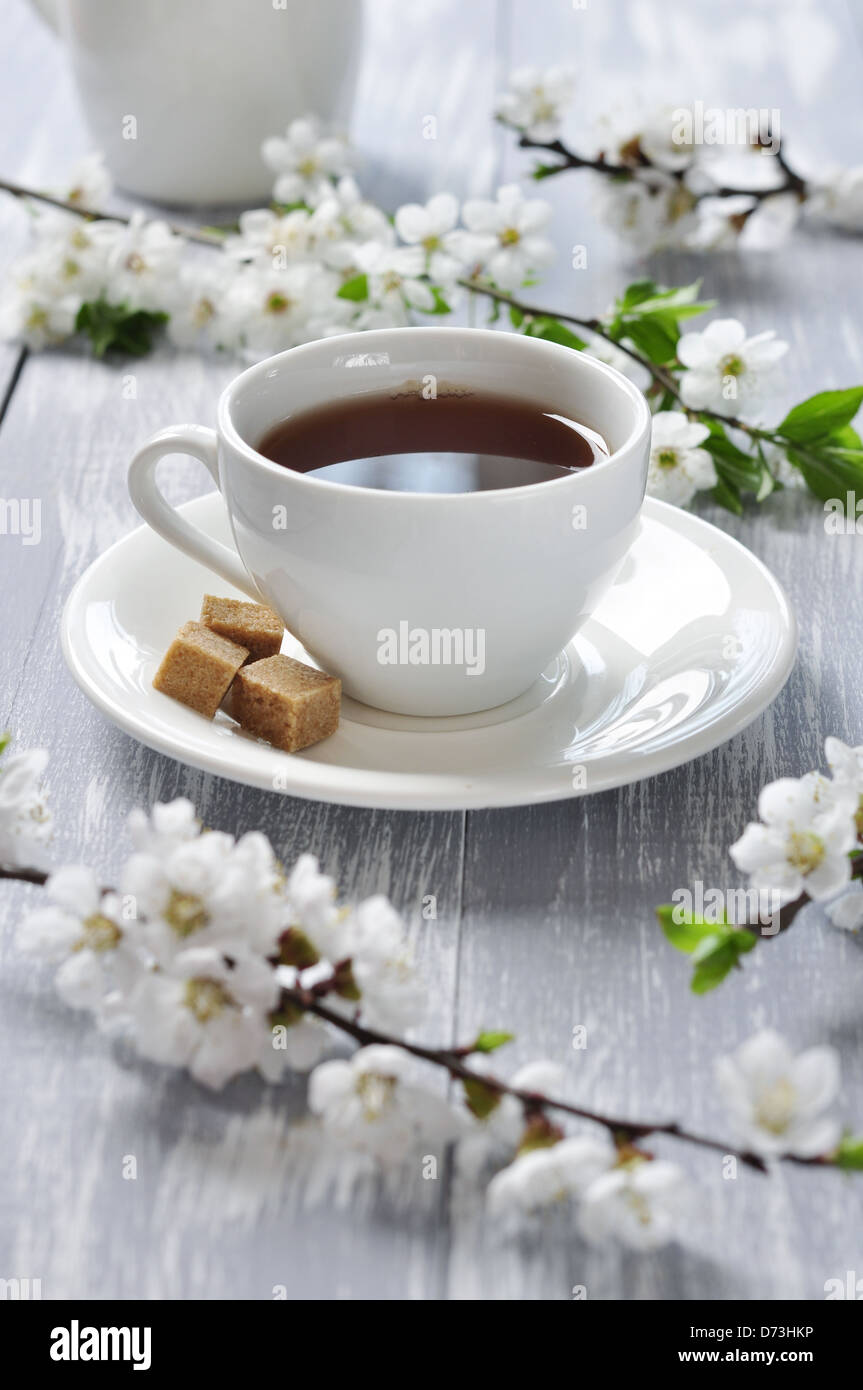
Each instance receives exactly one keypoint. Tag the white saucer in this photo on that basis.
(693, 641)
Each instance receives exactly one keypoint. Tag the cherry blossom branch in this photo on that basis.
(660, 375)
(196, 234)
(624, 1132)
(792, 182)
(451, 1059)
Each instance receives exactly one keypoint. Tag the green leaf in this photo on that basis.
(743, 471)
(713, 968)
(553, 332)
(644, 298)
(489, 1041)
(481, 1099)
(284, 208)
(727, 496)
(677, 297)
(637, 293)
(768, 482)
(845, 437)
(355, 289)
(516, 317)
(820, 415)
(830, 471)
(653, 336)
(440, 304)
(117, 328)
(221, 228)
(544, 171)
(849, 1154)
(5, 740)
(715, 947)
(684, 930)
(740, 471)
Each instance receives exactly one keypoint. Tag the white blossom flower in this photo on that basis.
(726, 371)
(84, 931)
(661, 140)
(744, 222)
(847, 911)
(430, 227)
(506, 236)
(142, 259)
(70, 256)
(343, 220)
(772, 222)
(394, 277)
(536, 101)
(803, 844)
(207, 891)
(653, 212)
(678, 467)
(306, 160)
(271, 239)
(195, 304)
(297, 1040)
(846, 765)
(268, 310)
(495, 1136)
(543, 1176)
(34, 309)
(392, 997)
(778, 1101)
(88, 184)
(312, 907)
(643, 1203)
(25, 822)
(206, 1013)
(838, 198)
(168, 825)
(370, 1102)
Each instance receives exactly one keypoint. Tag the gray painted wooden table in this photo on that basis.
(544, 915)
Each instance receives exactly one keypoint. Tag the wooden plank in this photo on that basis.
(218, 1209)
(558, 903)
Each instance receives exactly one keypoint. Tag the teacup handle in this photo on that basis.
(202, 444)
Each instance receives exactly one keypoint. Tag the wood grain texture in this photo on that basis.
(544, 914)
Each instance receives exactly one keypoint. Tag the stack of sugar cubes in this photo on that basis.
(233, 655)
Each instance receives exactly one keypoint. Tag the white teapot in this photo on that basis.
(179, 94)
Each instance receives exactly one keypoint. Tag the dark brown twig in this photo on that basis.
(196, 234)
(639, 163)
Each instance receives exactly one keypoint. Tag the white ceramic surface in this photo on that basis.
(205, 83)
(694, 639)
(513, 571)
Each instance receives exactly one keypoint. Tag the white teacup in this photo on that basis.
(422, 603)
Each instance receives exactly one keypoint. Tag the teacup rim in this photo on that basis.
(368, 337)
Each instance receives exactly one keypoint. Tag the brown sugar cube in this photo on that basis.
(198, 667)
(285, 702)
(250, 624)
